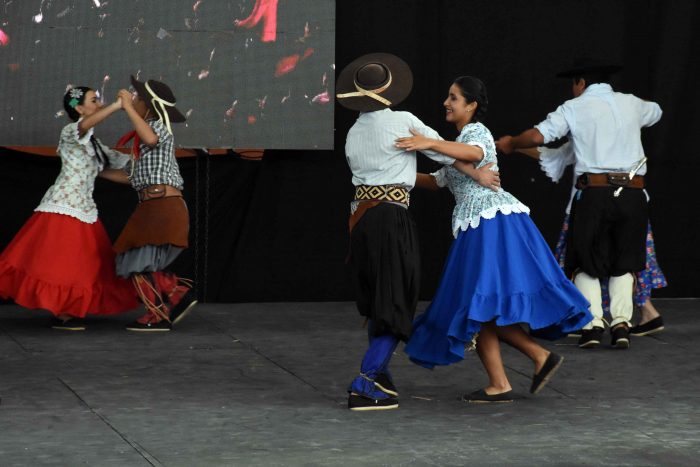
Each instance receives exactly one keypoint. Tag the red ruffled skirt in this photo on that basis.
(66, 266)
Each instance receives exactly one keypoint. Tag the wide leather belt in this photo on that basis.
(591, 180)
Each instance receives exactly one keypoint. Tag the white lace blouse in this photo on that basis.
(71, 193)
(473, 201)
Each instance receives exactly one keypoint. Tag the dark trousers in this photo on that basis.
(385, 259)
(607, 234)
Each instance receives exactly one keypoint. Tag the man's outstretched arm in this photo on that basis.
(527, 139)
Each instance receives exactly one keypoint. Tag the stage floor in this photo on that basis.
(264, 384)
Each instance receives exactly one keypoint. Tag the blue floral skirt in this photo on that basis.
(650, 278)
(501, 271)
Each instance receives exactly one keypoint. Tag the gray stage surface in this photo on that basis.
(264, 384)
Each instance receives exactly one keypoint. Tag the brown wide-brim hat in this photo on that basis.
(582, 66)
(374, 82)
(162, 91)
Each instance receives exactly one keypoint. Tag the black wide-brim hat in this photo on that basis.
(374, 82)
(161, 91)
(582, 66)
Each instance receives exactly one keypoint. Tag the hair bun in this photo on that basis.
(474, 90)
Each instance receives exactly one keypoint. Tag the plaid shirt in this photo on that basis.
(157, 165)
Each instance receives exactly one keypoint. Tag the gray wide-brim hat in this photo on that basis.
(374, 82)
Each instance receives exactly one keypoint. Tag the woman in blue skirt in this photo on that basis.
(499, 274)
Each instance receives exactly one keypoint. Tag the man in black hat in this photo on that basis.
(384, 250)
(609, 215)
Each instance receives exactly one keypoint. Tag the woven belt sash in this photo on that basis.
(392, 193)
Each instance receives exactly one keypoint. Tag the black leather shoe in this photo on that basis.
(591, 338)
(550, 367)
(360, 403)
(620, 337)
(648, 328)
(480, 397)
(386, 385)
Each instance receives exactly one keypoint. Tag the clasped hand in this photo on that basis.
(126, 98)
(505, 144)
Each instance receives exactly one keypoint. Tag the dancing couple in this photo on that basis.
(499, 273)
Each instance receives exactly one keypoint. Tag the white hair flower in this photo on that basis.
(76, 93)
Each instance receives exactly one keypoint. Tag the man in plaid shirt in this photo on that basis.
(158, 230)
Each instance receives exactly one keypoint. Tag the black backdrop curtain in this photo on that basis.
(276, 230)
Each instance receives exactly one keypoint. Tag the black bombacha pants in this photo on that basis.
(385, 259)
(607, 234)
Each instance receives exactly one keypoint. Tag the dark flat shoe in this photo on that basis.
(480, 397)
(620, 337)
(183, 307)
(360, 403)
(591, 338)
(72, 324)
(160, 326)
(648, 328)
(550, 367)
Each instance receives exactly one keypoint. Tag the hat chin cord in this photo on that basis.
(162, 113)
(371, 93)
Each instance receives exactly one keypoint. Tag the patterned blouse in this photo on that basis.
(71, 193)
(157, 164)
(474, 201)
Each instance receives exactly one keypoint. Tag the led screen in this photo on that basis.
(247, 73)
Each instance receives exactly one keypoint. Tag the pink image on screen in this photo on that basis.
(322, 98)
(4, 38)
(265, 10)
(231, 111)
(286, 64)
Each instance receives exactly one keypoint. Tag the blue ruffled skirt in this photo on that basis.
(501, 271)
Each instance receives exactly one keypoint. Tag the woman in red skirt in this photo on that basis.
(62, 260)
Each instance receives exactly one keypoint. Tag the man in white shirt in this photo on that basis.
(384, 253)
(607, 232)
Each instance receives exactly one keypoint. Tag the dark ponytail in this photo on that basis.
(474, 90)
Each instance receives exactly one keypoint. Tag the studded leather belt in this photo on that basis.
(591, 180)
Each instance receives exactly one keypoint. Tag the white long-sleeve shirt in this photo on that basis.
(604, 128)
(554, 162)
(371, 152)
